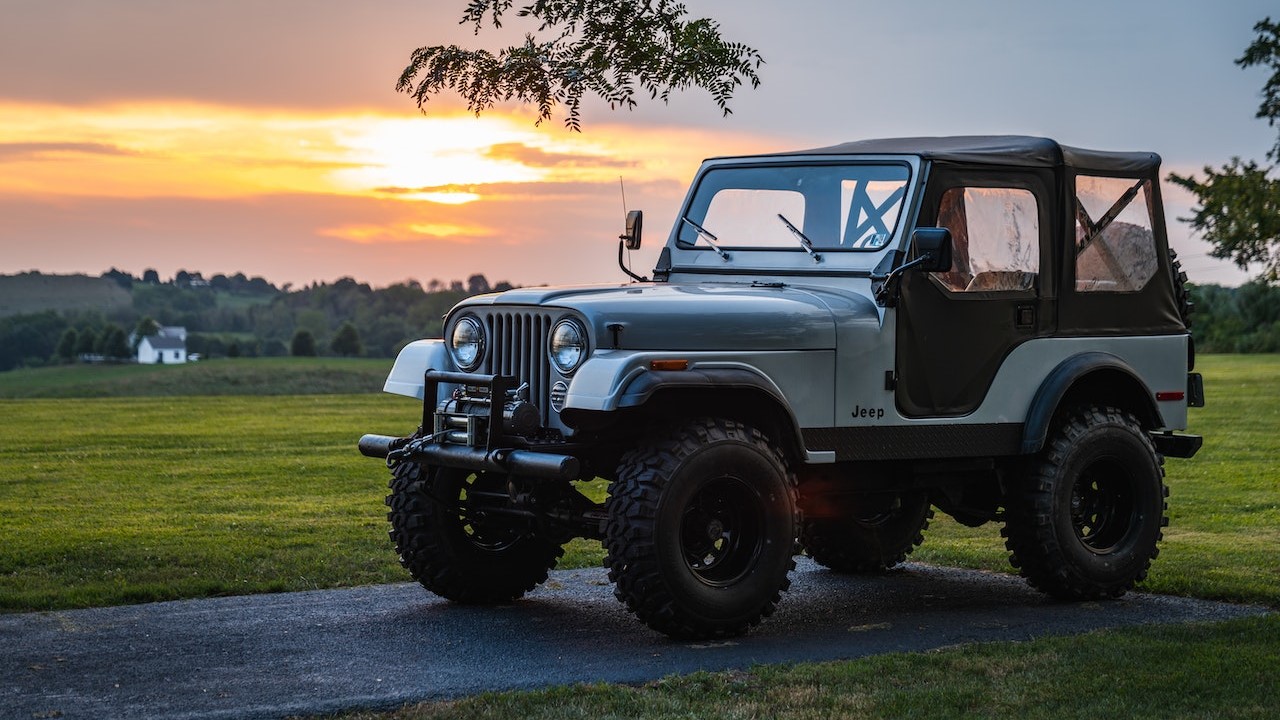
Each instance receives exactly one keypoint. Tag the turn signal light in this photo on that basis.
(668, 364)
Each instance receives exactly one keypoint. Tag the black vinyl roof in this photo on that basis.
(1018, 150)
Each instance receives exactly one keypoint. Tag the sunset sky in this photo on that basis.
(266, 137)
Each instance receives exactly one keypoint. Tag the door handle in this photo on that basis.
(1025, 317)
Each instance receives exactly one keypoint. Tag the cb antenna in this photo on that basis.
(623, 189)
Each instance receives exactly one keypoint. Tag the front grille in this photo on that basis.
(519, 348)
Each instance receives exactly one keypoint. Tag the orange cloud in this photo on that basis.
(538, 157)
(10, 151)
(408, 233)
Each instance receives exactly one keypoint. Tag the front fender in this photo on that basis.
(803, 380)
(598, 383)
(406, 377)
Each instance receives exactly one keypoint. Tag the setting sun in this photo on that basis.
(409, 154)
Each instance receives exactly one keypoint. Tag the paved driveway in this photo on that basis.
(311, 652)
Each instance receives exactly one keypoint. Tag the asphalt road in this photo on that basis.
(311, 652)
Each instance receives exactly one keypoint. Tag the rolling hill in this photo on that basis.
(35, 292)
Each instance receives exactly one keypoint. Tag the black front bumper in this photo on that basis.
(484, 445)
(510, 461)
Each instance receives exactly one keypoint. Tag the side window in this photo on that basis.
(996, 232)
(1115, 247)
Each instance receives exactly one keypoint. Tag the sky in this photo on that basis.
(266, 136)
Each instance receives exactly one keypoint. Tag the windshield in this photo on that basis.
(834, 207)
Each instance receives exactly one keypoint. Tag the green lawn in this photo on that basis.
(116, 500)
(224, 376)
(107, 501)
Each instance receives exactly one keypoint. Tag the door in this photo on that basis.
(955, 328)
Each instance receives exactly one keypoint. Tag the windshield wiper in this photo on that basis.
(706, 235)
(805, 242)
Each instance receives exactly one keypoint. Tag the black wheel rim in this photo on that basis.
(722, 531)
(1103, 505)
(482, 529)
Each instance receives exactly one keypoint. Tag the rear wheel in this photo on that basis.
(702, 530)
(879, 533)
(1086, 522)
(456, 549)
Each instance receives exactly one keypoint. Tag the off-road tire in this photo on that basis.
(474, 562)
(874, 539)
(1086, 520)
(674, 494)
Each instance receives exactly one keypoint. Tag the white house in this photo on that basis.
(163, 348)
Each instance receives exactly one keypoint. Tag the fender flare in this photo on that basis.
(1064, 377)
(406, 376)
(640, 389)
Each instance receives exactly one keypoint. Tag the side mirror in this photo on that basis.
(635, 223)
(932, 249)
(935, 244)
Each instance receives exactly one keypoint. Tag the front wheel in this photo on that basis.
(1085, 522)
(456, 549)
(702, 530)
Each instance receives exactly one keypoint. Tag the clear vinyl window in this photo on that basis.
(996, 236)
(1115, 246)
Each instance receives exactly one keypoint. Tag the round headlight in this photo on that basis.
(467, 343)
(568, 345)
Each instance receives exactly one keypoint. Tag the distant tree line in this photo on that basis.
(1243, 319)
(236, 316)
(186, 279)
(40, 338)
(249, 317)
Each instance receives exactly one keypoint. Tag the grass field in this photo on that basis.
(224, 376)
(107, 501)
(119, 500)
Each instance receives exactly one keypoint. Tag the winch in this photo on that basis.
(466, 416)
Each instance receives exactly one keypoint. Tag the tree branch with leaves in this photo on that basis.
(617, 50)
(1239, 203)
